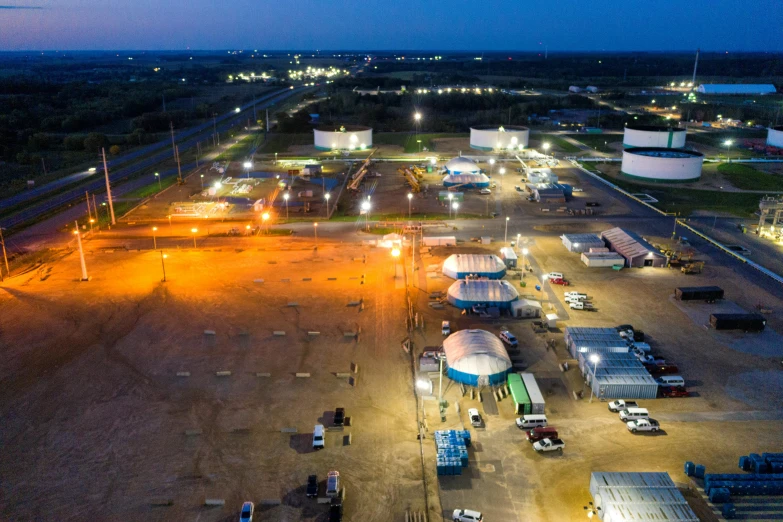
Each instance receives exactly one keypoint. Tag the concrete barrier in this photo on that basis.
(279, 332)
(352, 381)
(214, 502)
(259, 281)
(288, 430)
(303, 375)
(347, 439)
(183, 374)
(209, 332)
(354, 303)
(313, 334)
(285, 280)
(263, 374)
(292, 303)
(307, 279)
(223, 373)
(354, 367)
(349, 334)
(324, 500)
(343, 375)
(193, 433)
(331, 279)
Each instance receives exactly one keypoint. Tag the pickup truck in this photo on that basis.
(620, 405)
(549, 445)
(339, 416)
(580, 306)
(312, 486)
(647, 424)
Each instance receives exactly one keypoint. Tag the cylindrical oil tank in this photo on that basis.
(662, 165)
(499, 137)
(344, 137)
(775, 136)
(653, 136)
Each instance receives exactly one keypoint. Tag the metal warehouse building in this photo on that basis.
(636, 251)
(460, 266)
(476, 357)
(460, 165)
(581, 242)
(602, 259)
(623, 497)
(653, 136)
(593, 340)
(618, 376)
(546, 192)
(608, 360)
(466, 293)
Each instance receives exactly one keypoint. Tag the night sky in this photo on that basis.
(589, 25)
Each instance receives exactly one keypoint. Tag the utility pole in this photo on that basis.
(695, 66)
(215, 141)
(81, 252)
(266, 129)
(5, 255)
(108, 189)
(255, 117)
(44, 165)
(87, 196)
(179, 169)
(95, 206)
(164, 102)
(173, 146)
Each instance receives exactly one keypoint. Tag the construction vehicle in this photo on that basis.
(695, 267)
(363, 170)
(413, 181)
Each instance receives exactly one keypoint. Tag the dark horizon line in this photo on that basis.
(387, 51)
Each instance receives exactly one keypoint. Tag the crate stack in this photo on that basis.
(452, 446)
(764, 463)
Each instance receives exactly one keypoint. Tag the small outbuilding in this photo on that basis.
(476, 358)
(509, 257)
(581, 242)
(602, 259)
(541, 176)
(460, 266)
(636, 251)
(468, 293)
(525, 308)
(546, 192)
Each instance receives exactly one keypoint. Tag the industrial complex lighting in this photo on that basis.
(546, 146)
(417, 116)
(395, 252)
(524, 251)
(247, 164)
(366, 206)
(594, 358)
(237, 110)
(410, 196)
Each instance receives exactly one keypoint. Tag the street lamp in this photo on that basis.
(395, 253)
(524, 258)
(194, 231)
(423, 385)
(366, 208)
(546, 148)
(163, 264)
(455, 206)
(594, 359)
(202, 182)
(417, 119)
(285, 197)
(154, 239)
(451, 196)
(502, 174)
(327, 196)
(159, 185)
(264, 218)
(237, 110)
(410, 198)
(728, 147)
(315, 231)
(491, 166)
(91, 222)
(505, 236)
(248, 165)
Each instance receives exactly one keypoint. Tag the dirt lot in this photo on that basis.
(94, 414)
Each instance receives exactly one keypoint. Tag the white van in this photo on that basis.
(671, 380)
(630, 414)
(318, 437)
(528, 422)
(554, 275)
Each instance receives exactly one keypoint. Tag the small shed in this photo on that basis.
(541, 176)
(546, 193)
(602, 259)
(525, 308)
(439, 240)
(582, 242)
(551, 320)
(508, 256)
(636, 251)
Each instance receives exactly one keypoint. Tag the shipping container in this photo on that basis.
(638, 496)
(534, 393)
(439, 240)
(522, 404)
(745, 322)
(698, 293)
(619, 384)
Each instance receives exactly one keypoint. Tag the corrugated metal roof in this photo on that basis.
(460, 164)
(583, 238)
(533, 391)
(628, 244)
(479, 264)
(737, 88)
(609, 379)
(628, 497)
(476, 352)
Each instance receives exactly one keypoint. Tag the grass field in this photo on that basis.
(281, 142)
(747, 178)
(407, 140)
(598, 142)
(560, 143)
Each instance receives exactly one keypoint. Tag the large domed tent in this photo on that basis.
(476, 358)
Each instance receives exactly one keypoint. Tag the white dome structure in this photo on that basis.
(459, 266)
(476, 358)
(653, 136)
(499, 137)
(660, 165)
(466, 180)
(775, 137)
(461, 165)
(345, 137)
(466, 293)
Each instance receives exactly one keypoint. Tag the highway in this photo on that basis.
(118, 175)
(197, 131)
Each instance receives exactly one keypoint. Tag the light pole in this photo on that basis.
(502, 175)
(451, 196)
(163, 264)
(81, 253)
(154, 239)
(524, 258)
(491, 166)
(327, 196)
(505, 236)
(159, 185)
(594, 359)
(417, 119)
(315, 232)
(455, 206)
(194, 231)
(366, 208)
(423, 386)
(91, 222)
(518, 235)
(264, 218)
(202, 182)
(5, 255)
(248, 165)
(546, 148)
(170, 226)
(728, 149)
(410, 198)
(285, 197)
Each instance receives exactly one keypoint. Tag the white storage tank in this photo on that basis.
(662, 165)
(345, 137)
(653, 136)
(499, 137)
(775, 136)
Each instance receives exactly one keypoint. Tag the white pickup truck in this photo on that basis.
(549, 445)
(643, 425)
(620, 405)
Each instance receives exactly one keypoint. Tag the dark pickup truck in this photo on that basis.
(339, 416)
(312, 486)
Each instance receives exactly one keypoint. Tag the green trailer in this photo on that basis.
(522, 404)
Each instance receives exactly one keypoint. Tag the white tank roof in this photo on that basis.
(476, 352)
(460, 164)
(479, 264)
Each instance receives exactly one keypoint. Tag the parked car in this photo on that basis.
(578, 295)
(509, 338)
(312, 486)
(246, 513)
(537, 434)
(647, 424)
(333, 484)
(475, 417)
(518, 188)
(674, 391)
(559, 281)
(549, 445)
(318, 437)
(466, 515)
(620, 405)
(336, 512)
(580, 306)
(662, 369)
(554, 275)
(485, 191)
(445, 328)
(629, 414)
(527, 422)
(576, 189)
(339, 416)
(575, 299)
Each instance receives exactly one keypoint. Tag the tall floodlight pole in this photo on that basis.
(410, 198)
(505, 236)
(163, 264)
(5, 255)
(594, 359)
(108, 187)
(81, 252)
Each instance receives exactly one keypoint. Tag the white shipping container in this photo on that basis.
(598, 249)
(602, 259)
(534, 392)
(439, 241)
(551, 320)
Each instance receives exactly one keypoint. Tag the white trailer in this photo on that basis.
(439, 241)
(533, 391)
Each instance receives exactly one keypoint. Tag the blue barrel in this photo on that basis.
(698, 471)
(745, 463)
(689, 468)
(719, 495)
(759, 466)
(729, 511)
(457, 467)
